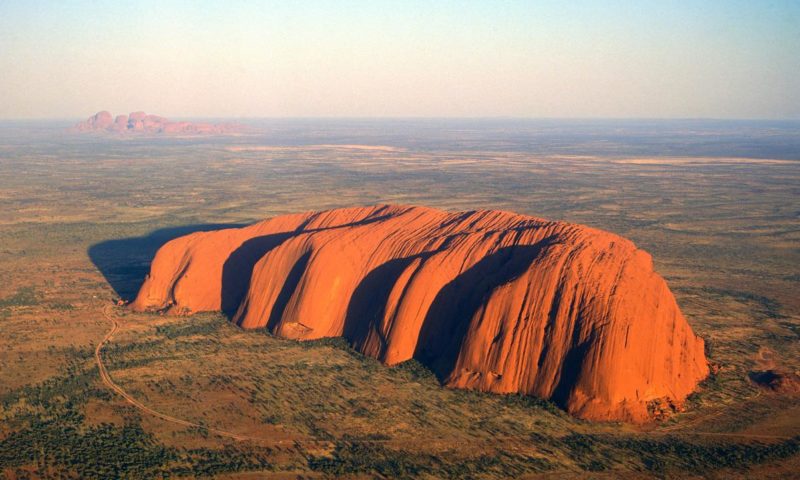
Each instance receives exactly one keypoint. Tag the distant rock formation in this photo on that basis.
(140, 122)
(490, 300)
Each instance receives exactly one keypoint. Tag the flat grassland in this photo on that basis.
(81, 217)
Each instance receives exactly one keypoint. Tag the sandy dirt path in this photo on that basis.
(109, 382)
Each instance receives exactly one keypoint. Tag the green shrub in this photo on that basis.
(24, 297)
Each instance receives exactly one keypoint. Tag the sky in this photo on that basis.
(545, 59)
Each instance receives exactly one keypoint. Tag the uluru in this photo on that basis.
(489, 300)
(140, 122)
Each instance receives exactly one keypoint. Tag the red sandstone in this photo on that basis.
(490, 300)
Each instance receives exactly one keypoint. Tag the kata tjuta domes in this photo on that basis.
(490, 300)
(140, 122)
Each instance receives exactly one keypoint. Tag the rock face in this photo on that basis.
(490, 300)
(98, 121)
(140, 122)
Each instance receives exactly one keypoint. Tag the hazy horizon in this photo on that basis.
(488, 118)
(387, 59)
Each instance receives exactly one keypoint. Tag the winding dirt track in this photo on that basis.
(106, 378)
(109, 382)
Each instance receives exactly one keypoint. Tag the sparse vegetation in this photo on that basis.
(24, 297)
(671, 454)
(49, 433)
(349, 459)
(723, 233)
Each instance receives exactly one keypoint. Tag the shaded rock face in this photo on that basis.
(140, 122)
(489, 300)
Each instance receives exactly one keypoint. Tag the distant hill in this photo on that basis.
(140, 122)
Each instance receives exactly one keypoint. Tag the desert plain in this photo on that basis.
(717, 204)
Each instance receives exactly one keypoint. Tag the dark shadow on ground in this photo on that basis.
(125, 262)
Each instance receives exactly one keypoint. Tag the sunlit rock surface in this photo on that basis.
(490, 300)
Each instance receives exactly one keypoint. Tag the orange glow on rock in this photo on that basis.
(490, 300)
